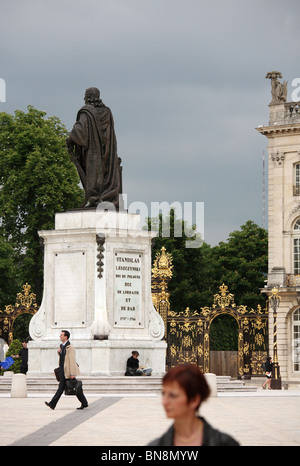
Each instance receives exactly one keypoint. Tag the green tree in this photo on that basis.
(14, 349)
(242, 263)
(9, 286)
(174, 233)
(37, 179)
(21, 327)
(223, 334)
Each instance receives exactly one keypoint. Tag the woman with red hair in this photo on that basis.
(184, 389)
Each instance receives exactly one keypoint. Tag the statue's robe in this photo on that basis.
(96, 151)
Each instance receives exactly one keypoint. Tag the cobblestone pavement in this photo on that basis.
(264, 418)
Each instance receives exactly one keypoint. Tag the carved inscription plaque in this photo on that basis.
(70, 288)
(128, 289)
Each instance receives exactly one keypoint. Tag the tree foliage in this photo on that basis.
(37, 179)
(223, 334)
(14, 349)
(186, 284)
(9, 285)
(241, 263)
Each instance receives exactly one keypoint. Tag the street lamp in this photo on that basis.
(274, 301)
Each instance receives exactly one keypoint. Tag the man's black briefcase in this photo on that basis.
(73, 387)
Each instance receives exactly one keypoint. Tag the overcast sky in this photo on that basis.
(185, 80)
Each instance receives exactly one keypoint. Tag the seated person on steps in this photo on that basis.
(133, 366)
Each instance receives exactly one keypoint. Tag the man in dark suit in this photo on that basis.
(68, 369)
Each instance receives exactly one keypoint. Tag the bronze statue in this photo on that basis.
(92, 145)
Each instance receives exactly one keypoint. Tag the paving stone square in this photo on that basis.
(254, 419)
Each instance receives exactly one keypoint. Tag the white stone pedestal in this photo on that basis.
(211, 380)
(97, 285)
(18, 386)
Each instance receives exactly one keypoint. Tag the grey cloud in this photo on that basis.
(185, 81)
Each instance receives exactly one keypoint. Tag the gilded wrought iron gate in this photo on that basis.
(25, 304)
(188, 332)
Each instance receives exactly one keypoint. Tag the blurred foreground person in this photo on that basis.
(184, 389)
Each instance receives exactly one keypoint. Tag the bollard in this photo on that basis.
(18, 386)
(211, 380)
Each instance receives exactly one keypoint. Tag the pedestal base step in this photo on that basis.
(115, 385)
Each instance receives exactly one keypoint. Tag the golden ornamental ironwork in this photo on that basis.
(258, 324)
(161, 275)
(8, 309)
(246, 348)
(224, 298)
(200, 350)
(163, 265)
(173, 350)
(246, 324)
(205, 311)
(258, 357)
(189, 333)
(246, 368)
(25, 303)
(292, 280)
(187, 341)
(26, 299)
(259, 339)
(242, 309)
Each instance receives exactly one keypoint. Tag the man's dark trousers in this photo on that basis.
(60, 391)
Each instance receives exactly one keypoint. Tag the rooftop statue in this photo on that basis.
(279, 90)
(92, 146)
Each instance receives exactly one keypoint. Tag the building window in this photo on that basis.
(297, 256)
(297, 179)
(296, 340)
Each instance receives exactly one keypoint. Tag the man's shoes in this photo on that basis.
(82, 406)
(49, 405)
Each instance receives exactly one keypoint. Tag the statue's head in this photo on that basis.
(93, 92)
(92, 96)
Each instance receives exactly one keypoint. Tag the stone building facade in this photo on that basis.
(283, 134)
